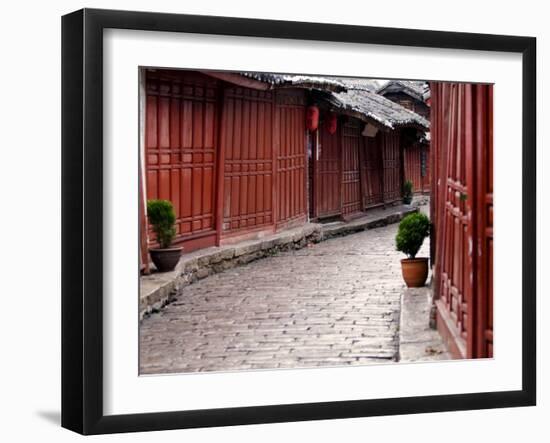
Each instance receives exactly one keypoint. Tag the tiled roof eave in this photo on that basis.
(364, 105)
(279, 81)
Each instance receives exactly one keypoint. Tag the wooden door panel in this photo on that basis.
(457, 225)
(413, 163)
(291, 157)
(247, 143)
(351, 173)
(180, 138)
(391, 163)
(373, 193)
(327, 174)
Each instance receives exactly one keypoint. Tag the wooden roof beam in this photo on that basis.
(239, 80)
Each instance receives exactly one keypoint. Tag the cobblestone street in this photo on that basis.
(333, 303)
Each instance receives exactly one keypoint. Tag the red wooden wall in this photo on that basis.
(233, 160)
(353, 172)
(180, 150)
(462, 199)
(247, 143)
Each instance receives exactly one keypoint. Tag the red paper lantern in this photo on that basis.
(332, 124)
(312, 118)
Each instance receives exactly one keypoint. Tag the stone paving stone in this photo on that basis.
(334, 303)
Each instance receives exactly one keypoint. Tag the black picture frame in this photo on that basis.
(82, 218)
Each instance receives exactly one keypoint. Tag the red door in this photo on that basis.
(247, 144)
(351, 171)
(291, 157)
(180, 149)
(327, 186)
(372, 172)
(412, 156)
(391, 164)
(417, 166)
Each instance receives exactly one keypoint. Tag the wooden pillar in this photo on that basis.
(384, 155)
(220, 161)
(470, 286)
(305, 197)
(276, 140)
(483, 327)
(143, 237)
(143, 225)
(401, 162)
(362, 171)
(315, 172)
(341, 165)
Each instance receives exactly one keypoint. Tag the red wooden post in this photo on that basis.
(305, 196)
(315, 173)
(276, 118)
(340, 134)
(384, 167)
(362, 171)
(401, 162)
(483, 346)
(143, 237)
(221, 134)
(471, 274)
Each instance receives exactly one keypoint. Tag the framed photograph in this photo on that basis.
(269, 221)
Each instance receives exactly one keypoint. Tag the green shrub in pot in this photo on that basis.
(407, 192)
(412, 231)
(162, 218)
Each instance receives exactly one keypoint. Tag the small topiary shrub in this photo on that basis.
(412, 231)
(407, 192)
(162, 217)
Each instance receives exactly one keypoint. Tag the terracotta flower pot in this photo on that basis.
(415, 271)
(165, 259)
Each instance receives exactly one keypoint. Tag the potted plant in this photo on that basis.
(412, 231)
(407, 192)
(162, 218)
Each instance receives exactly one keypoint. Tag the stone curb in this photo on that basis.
(364, 223)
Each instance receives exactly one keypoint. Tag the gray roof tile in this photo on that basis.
(416, 89)
(377, 108)
(296, 80)
(354, 95)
